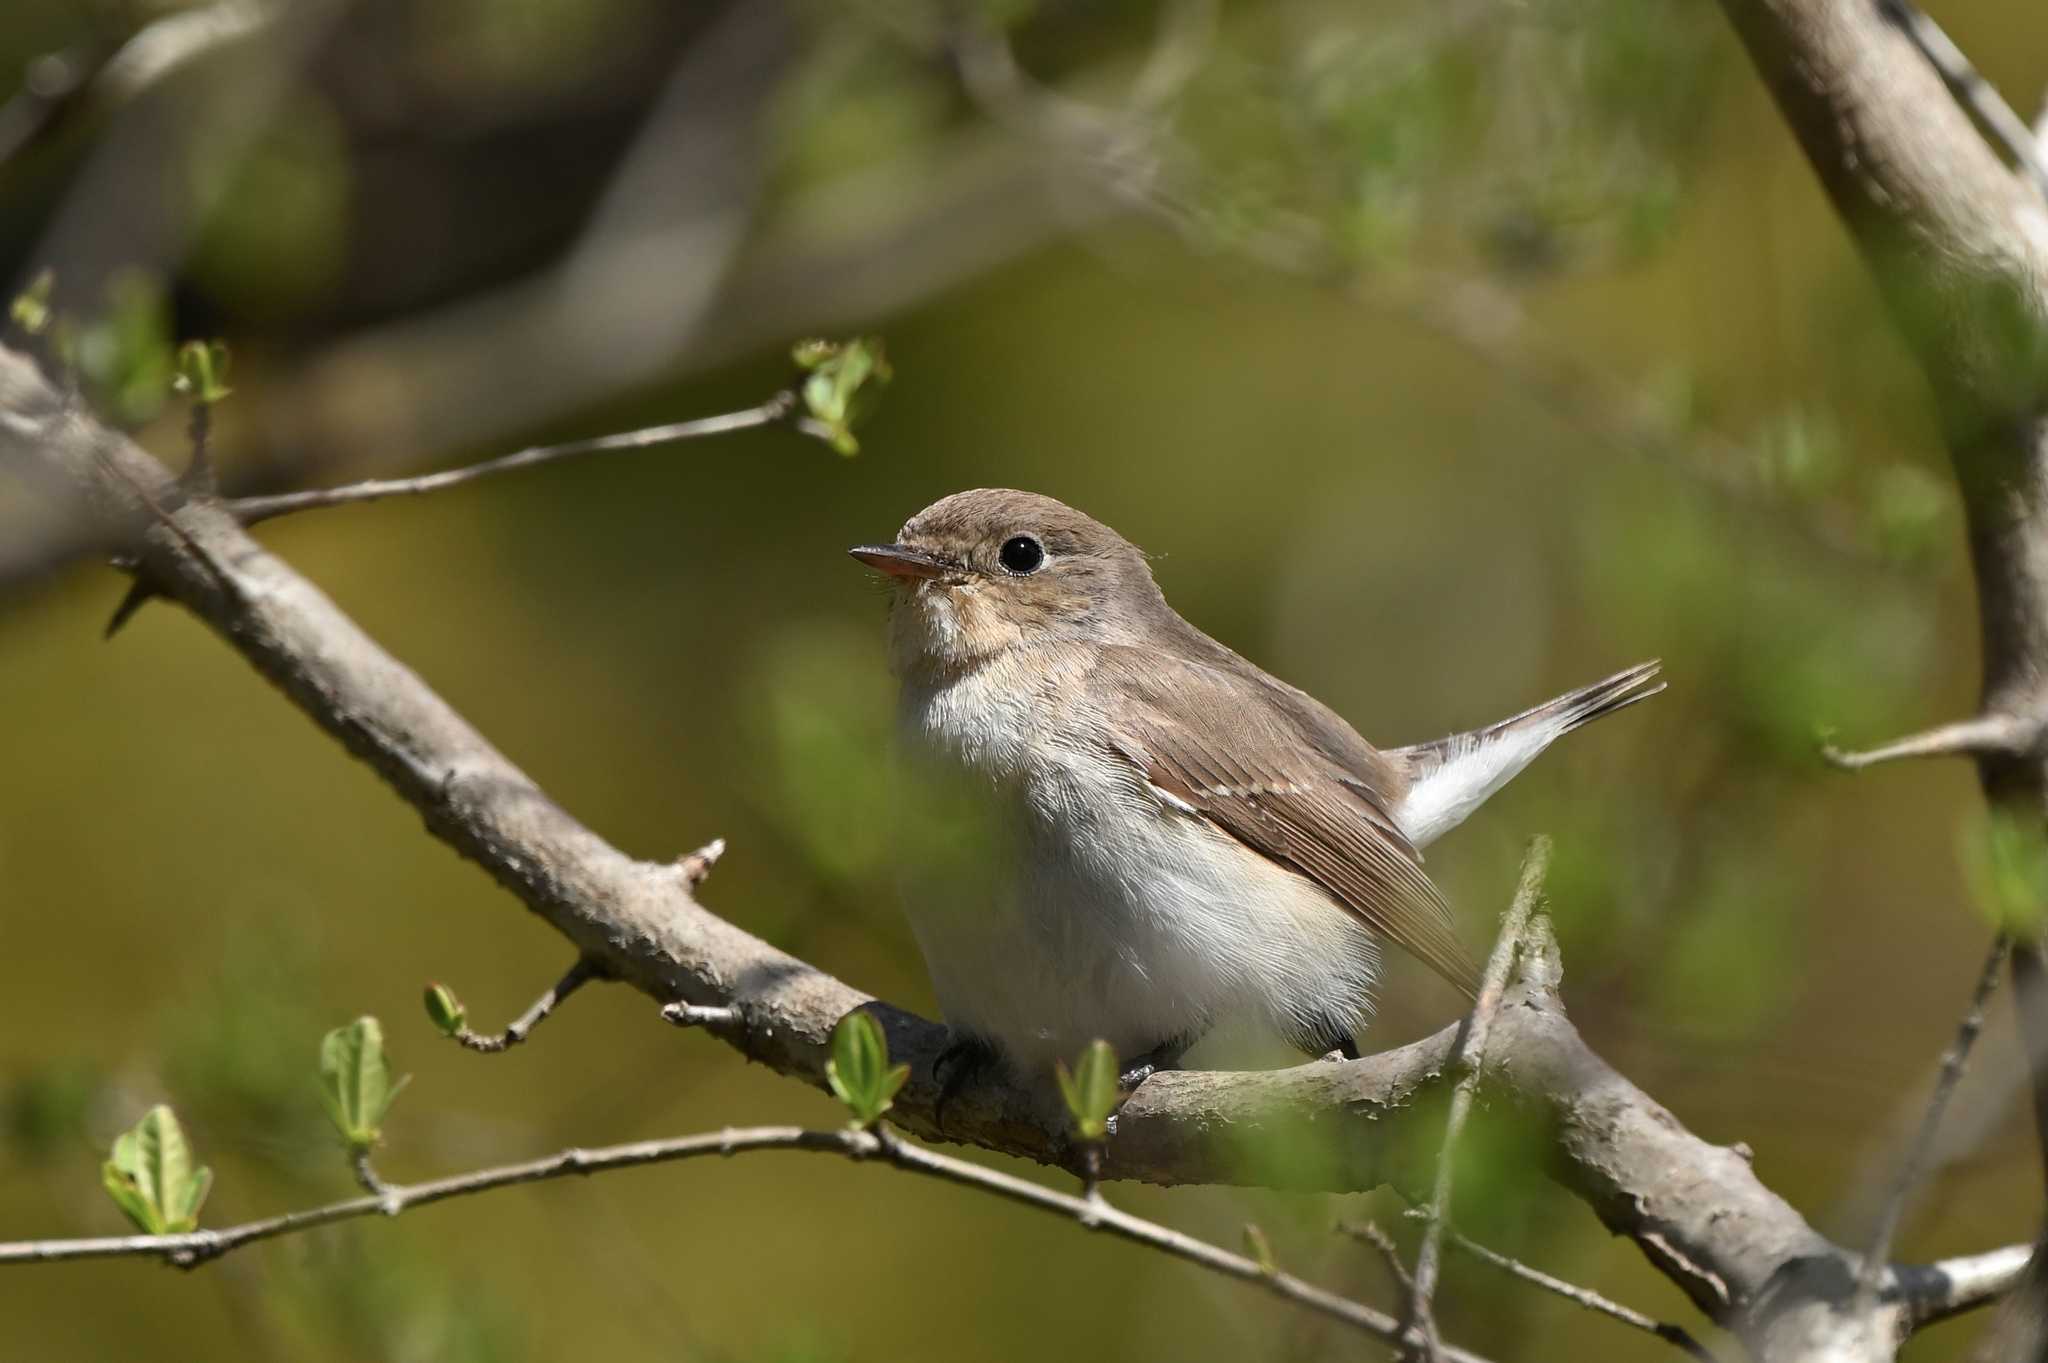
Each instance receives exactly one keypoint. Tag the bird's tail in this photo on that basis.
(1453, 776)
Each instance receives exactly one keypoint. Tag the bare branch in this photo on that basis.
(579, 974)
(1382, 1243)
(1953, 1062)
(1675, 1335)
(394, 1199)
(1468, 1059)
(249, 510)
(1993, 734)
(1975, 93)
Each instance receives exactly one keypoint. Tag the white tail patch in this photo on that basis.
(1474, 768)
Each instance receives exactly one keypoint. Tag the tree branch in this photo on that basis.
(1982, 735)
(1953, 1061)
(582, 972)
(195, 1248)
(1958, 247)
(1675, 1335)
(1975, 93)
(780, 408)
(1468, 1059)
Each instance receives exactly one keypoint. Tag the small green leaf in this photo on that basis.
(445, 1009)
(151, 1177)
(1090, 1090)
(31, 307)
(859, 1072)
(355, 1081)
(841, 385)
(203, 371)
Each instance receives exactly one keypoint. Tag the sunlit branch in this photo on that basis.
(1970, 88)
(1974, 737)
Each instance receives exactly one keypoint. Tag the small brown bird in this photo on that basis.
(1182, 837)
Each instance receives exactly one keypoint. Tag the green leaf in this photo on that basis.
(151, 1176)
(1090, 1090)
(859, 1072)
(842, 382)
(31, 307)
(355, 1081)
(203, 371)
(445, 1009)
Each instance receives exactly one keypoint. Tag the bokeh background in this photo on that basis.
(1447, 355)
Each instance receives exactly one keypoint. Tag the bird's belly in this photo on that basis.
(1089, 909)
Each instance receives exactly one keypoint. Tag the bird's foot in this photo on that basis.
(965, 1058)
(1165, 1056)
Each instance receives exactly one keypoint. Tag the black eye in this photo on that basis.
(1022, 554)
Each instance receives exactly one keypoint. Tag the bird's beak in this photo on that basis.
(900, 561)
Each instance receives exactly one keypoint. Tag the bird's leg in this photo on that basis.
(966, 1056)
(1165, 1056)
(1340, 1046)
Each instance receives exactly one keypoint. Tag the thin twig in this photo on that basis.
(574, 978)
(1468, 1057)
(1997, 734)
(249, 510)
(1970, 88)
(1369, 1233)
(1675, 1335)
(1870, 1277)
(198, 1247)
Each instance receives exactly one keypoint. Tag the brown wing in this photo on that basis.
(1276, 789)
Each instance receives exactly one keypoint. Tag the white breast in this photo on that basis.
(1092, 906)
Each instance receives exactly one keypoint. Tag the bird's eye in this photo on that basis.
(1021, 554)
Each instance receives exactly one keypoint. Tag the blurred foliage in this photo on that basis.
(1369, 469)
(1089, 1090)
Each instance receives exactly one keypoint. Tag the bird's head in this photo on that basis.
(979, 573)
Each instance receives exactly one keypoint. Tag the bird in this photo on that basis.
(1170, 836)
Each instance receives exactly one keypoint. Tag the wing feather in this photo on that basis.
(1281, 792)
